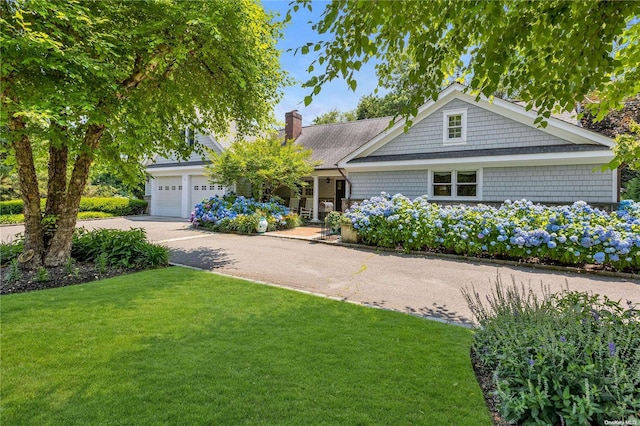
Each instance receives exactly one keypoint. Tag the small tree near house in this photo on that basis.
(267, 163)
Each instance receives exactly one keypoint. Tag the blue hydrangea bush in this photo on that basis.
(569, 358)
(239, 214)
(573, 235)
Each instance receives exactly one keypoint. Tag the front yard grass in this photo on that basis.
(178, 346)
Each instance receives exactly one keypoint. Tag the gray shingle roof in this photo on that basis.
(332, 142)
(489, 152)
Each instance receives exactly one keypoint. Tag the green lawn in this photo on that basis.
(178, 346)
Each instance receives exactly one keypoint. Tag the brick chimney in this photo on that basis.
(292, 125)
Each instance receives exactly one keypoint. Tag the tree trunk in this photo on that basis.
(29, 193)
(57, 183)
(56, 188)
(60, 248)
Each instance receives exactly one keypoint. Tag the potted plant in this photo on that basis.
(263, 223)
(333, 221)
(349, 234)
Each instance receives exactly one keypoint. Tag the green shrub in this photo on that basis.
(632, 189)
(117, 206)
(118, 248)
(19, 218)
(12, 273)
(137, 206)
(11, 207)
(114, 205)
(94, 215)
(11, 250)
(9, 219)
(570, 358)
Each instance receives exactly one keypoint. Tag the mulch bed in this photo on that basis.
(485, 379)
(61, 276)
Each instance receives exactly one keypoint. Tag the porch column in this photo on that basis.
(347, 191)
(186, 200)
(316, 198)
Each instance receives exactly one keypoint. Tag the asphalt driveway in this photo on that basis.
(416, 284)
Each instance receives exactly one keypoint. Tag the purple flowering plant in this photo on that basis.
(565, 358)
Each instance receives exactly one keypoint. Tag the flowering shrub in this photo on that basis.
(240, 214)
(571, 358)
(573, 235)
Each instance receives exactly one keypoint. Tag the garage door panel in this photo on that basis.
(169, 196)
(202, 189)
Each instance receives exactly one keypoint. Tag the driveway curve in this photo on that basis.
(419, 285)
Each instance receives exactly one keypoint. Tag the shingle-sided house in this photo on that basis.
(462, 150)
(458, 150)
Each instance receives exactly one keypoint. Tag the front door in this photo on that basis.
(341, 192)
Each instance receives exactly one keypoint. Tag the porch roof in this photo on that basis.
(331, 142)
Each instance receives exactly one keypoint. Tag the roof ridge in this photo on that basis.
(388, 117)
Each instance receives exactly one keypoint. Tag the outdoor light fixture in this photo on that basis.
(328, 180)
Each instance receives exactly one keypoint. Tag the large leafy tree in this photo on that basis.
(116, 82)
(334, 116)
(553, 53)
(267, 163)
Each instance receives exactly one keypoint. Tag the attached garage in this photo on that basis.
(169, 196)
(176, 186)
(175, 196)
(202, 189)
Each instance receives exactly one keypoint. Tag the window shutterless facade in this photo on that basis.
(454, 126)
(456, 184)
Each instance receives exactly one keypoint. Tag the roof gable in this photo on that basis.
(557, 128)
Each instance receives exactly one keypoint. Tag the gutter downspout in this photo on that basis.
(350, 185)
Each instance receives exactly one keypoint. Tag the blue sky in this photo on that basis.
(335, 95)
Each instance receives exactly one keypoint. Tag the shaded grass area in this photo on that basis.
(177, 346)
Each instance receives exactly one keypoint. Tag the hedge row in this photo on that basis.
(117, 206)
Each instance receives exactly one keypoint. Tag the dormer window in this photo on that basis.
(454, 126)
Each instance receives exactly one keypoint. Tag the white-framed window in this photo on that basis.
(173, 187)
(220, 187)
(179, 187)
(307, 191)
(160, 188)
(196, 187)
(212, 187)
(189, 136)
(454, 126)
(456, 184)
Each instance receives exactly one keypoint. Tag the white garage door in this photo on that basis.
(169, 196)
(202, 189)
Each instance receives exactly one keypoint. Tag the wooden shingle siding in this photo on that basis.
(412, 183)
(555, 184)
(485, 130)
